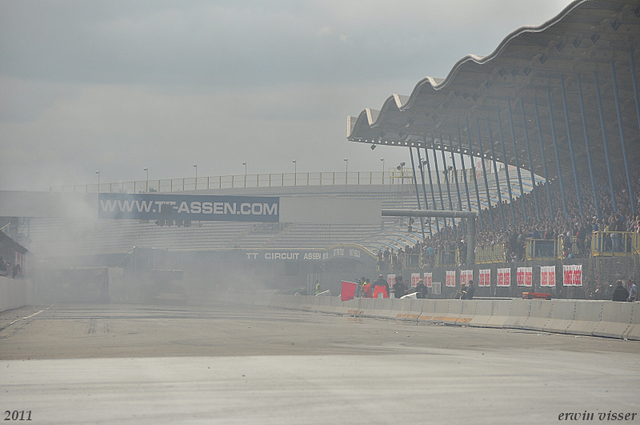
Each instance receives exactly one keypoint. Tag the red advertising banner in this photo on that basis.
(466, 276)
(504, 277)
(548, 276)
(484, 277)
(451, 279)
(428, 279)
(524, 276)
(415, 279)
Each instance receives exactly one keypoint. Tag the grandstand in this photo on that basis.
(91, 236)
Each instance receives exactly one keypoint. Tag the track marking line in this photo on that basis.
(27, 317)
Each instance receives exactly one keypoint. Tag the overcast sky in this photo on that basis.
(118, 86)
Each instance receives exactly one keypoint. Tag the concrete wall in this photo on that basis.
(14, 293)
(575, 317)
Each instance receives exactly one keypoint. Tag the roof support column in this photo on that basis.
(555, 147)
(433, 196)
(624, 148)
(424, 187)
(415, 181)
(464, 170)
(526, 142)
(544, 161)
(515, 154)
(471, 227)
(588, 149)
(455, 173)
(635, 84)
(446, 180)
(506, 169)
(570, 142)
(495, 172)
(446, 172)
(435, 162)
(484, 172)
(604, 142)
(475, 176)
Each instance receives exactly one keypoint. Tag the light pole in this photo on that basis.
(295, 171)
(245, 172)
(98, 173)
(196, 167)
(346, 170)
(382, 160)
(147, 184)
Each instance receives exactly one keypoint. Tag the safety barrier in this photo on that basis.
(617, 320)
(562, 314)
(500, 314)
(576, 317)
(483, 313)
(539, 315)
(428, 306)
(583, 322)
(520, 310)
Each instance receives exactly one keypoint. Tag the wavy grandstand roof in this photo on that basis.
(575, 61)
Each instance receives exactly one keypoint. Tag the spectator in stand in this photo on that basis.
(620, 293)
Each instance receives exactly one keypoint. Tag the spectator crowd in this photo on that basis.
(550, 220)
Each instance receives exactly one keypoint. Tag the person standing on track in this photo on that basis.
(467, 294)
(382, 283)
(399, 288)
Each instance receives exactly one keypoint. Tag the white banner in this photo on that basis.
(504, 277)
(548, 276)
(428, 279)
(451, 279)
(484, 277)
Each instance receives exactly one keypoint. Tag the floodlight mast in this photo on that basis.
(469, 215)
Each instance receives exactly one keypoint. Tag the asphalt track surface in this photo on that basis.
(222, 364)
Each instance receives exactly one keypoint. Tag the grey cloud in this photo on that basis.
(233, 43)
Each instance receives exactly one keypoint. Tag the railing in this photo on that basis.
(536, 249)
(541, 249)
(391, 177)
(491, 254)
(609, 244)
(447, 257)
(243, 180)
